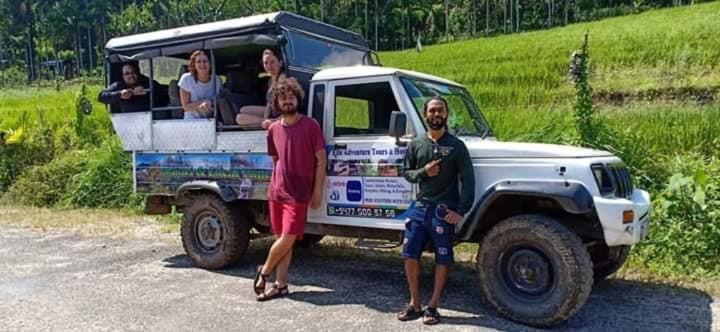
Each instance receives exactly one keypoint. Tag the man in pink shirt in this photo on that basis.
(297, 147)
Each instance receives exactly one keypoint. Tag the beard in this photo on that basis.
(287, 109)
(436, 122)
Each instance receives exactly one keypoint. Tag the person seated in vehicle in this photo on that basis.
(198, 87)
(247, 80)
(242, 88)
(131, 93)
(264, 115)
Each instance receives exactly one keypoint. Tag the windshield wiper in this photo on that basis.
(486, 133)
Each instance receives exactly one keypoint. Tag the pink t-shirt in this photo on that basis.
(295, 146)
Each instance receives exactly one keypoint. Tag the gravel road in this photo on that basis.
(55, 280)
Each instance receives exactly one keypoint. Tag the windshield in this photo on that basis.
(464, 117)
(313, 53)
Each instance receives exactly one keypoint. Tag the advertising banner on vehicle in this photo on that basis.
(247, 174)
(367, 181)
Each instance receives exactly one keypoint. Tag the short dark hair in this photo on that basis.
(134, 65)
(436, 98)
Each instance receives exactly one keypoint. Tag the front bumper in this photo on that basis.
(610, 212)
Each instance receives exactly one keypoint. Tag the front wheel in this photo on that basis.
(534, 270)
(214, 234)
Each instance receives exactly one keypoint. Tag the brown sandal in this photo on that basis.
(409, 314)
(260, 277)
(431, 316)
(281, 292)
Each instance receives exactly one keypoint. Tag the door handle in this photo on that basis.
(339, 146)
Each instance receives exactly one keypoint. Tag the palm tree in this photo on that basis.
(487, 17)
(24, 28)
(447, 25)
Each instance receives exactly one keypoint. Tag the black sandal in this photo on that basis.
(281, 292)
(259, 276)
(409, 314)
(431, 316)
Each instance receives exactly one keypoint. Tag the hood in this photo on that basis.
(480, 148)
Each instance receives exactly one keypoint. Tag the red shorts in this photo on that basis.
(288, 218)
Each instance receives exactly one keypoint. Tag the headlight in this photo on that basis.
(603, 180)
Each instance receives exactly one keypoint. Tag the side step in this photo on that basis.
(254, 236)
(376, 244)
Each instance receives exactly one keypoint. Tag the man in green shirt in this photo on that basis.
(440, 163)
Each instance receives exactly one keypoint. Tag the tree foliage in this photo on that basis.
(35, 31)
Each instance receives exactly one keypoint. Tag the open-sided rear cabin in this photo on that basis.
(307, 46)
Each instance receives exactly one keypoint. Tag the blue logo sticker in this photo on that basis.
(335, 195)
(354, 191)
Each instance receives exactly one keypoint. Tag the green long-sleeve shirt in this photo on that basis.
(455, 169)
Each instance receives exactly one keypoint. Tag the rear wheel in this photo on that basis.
(214, 234)
(534, 270)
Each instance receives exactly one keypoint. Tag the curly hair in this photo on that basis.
(193, 58)
(287, 85)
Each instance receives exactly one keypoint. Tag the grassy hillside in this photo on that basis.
(657, 49)
(51, 105)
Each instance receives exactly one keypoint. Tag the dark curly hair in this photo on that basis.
(287, 85)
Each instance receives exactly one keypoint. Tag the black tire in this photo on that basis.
(534, 270)
(309, 240)
(614, 259)
(214, 234)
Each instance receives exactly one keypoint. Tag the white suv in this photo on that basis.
(550, 220)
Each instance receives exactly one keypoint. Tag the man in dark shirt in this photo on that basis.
(131, 94)
(439, 162)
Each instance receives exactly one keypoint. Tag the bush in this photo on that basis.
(106, 181)
(12, 76)
(22, 148)
(686, 220)
(45, 185)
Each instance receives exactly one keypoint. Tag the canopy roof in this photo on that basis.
(197, 34)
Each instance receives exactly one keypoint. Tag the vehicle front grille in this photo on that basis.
(622, 181)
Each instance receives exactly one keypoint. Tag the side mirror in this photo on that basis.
(398, 125)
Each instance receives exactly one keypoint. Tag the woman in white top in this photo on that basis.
(198, 87)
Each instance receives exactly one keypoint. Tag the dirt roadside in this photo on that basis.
(124, 273)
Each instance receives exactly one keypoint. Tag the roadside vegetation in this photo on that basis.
(655, 79)
(654, 101)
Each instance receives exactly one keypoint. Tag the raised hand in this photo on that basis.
(433, 168)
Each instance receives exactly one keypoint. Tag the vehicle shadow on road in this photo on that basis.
(330, 275)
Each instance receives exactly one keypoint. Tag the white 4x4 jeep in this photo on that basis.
(550, 220)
